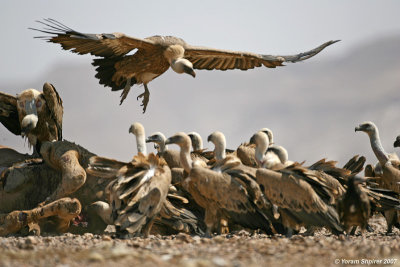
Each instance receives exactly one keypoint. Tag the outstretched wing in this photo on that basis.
(210, 58)
(102, 45)
(9, 113)
(54, 102)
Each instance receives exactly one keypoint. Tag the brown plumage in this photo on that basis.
(298, 202)
(154, 56)
(36, 115)
(138, 193)
(225, 193)
(354, 206)
(390, 169)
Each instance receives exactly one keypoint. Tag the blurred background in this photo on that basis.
(312, 106)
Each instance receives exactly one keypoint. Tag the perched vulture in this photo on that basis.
(117, 69)
(390, 169)
(137, 193)
(274, 156)
(226, 192)
(302, 196)
(33, 114)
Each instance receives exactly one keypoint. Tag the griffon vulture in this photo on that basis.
(119, 70)
(225, 193)
(33, 114)
(390, 169)
(302, 196)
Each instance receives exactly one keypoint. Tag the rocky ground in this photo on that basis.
(237, 249)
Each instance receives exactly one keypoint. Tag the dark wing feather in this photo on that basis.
(54, 103)
(102, 45)
(9, 113)
(210, 58)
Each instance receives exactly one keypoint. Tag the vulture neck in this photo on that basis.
(186, 160)
(261, 148)
(163, 147)
(141, 142)
(219, 150)
(377, 147)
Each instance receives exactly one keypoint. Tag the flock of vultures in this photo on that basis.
(182, 187)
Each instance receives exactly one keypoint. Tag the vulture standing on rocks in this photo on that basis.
(225, 192)
(118, 69)
(139, 189)
(301, 198)
(33, 114)
(390, 169)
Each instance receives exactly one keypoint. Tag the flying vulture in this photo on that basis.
(33, 114)
(117, 69)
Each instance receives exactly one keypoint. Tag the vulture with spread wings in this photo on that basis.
(119, 70)
(33, 114)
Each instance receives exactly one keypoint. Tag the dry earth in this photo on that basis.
(238, 249)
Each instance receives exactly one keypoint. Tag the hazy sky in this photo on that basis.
(94, 119)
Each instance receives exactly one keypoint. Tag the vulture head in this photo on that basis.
(181, 139)
(219, 141)
(367, 127)
(397, 142)
(260, 139)
(138, 130)
(30, 103)
(182, 65)
(197, 141)
(269, 133)
(159, 140)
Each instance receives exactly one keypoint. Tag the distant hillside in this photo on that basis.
(312, 107)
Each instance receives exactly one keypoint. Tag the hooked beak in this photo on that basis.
(357, 129)
(209, 138)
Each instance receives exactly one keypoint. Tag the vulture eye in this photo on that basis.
(38, 104)
(21, 104)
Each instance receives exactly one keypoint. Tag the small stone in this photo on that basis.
(184, 237)
(219, 239)
(30, 240)
(95, 256)
(106, 238)
(219, 261)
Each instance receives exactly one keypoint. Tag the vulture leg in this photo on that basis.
(353, 230)
(66, 209)
(145, 96)
(125, 92)
(147, 229)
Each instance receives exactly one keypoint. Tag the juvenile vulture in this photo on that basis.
(119, 70)
(33, 114)
(225, 193)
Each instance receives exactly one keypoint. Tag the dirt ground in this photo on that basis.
(237, 249)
